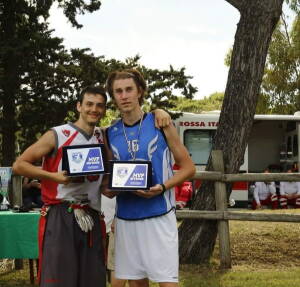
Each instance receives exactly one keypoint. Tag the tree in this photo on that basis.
(54, 87)
(280, 93)
(40, 78)
(281, 83)
(258, 19)
(22, 31)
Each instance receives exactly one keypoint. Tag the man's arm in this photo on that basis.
(298, 190)
(182, 159)
(255, 194)
(272, 188)
(281, 190)
(24, 163)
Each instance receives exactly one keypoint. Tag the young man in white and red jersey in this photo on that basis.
(290, 192)
(146, 236)
(70, 240)
(265, 194)
(71, 252)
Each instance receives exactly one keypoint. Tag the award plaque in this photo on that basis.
(80, 160)
(130, 175)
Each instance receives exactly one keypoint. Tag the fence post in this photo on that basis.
(221, 205)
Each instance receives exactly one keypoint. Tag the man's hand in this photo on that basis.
(61, 177)
(107, 192)
(35, 184)
(258, 206)
(153, 191)
(291, 196)
(162, 118)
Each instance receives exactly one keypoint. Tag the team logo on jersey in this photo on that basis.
(66, 133)
(77, 157)
(122, 171)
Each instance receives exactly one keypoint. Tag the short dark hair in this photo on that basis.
(127, 74)
(289, 167)
(96, 90)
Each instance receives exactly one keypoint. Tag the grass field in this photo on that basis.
(263, 255)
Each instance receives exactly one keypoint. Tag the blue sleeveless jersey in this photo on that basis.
(151, 146)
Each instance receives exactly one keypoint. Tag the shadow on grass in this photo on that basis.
(201, 276)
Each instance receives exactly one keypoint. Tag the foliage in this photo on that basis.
(53, 92)
(40, 91)
(211, 103)
(281, 81)
(27, 47)
(294, 5)
(280, 90)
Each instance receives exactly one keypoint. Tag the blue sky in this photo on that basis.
(194, 34)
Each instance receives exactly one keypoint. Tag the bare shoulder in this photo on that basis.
(43, 146)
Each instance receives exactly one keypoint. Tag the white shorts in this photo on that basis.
(147, 248)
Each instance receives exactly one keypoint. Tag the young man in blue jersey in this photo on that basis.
(146, 229)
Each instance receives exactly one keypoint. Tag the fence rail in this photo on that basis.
(222, 215)
(218, 176)
(236, 215)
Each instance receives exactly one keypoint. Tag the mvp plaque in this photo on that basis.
(130, 175)
(80, 160)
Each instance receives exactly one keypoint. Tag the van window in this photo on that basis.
(199, 144)
(295, 145)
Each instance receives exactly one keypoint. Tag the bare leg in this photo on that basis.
(116, 282)
(139, 283)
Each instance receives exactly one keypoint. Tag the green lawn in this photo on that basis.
(200, 278)
(263, 255)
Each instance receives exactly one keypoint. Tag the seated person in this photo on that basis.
(264, 194)
(31, 192)
(290, 192)
(183, 192)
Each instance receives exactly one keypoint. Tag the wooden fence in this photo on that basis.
(222, 215)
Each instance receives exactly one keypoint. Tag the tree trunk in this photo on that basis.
(253, 35)
(9, 83)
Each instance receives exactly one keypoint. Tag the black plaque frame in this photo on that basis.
(149, 175)
(65, 162)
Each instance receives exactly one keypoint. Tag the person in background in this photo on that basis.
(264, 194)
(31, 193)
(183, 192)
(289, 192)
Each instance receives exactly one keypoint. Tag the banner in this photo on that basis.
(5, 179)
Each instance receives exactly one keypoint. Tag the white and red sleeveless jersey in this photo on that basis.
(85, 187)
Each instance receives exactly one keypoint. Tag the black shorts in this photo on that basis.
(71, 257)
